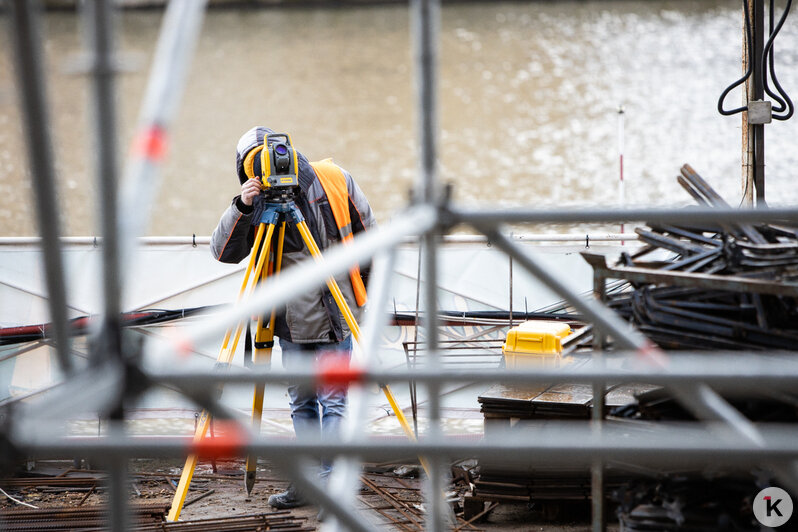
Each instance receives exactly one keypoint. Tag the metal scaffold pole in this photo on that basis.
(27, 39)
(425, 23)
(99, 23)
(178, 37)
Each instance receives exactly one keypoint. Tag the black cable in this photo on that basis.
(141, 318)
(768, 66)
(750, 47)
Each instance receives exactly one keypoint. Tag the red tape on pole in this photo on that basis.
(230, 440)
(334, 370)
(151, 144)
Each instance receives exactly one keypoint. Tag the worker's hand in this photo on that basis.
(249, 190)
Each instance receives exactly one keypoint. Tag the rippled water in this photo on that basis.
(528, 95)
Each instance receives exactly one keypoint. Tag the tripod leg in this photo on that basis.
(307, 237)
(245, 282)
(264, 341)
(225, 357)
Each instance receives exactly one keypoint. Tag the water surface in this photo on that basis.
(528, 93)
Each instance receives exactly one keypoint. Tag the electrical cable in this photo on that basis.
(77, 326)
(31, 333)
(750, 48)
(768, 67)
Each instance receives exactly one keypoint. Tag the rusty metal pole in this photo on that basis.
(747, 145)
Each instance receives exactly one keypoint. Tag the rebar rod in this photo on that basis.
(27, 44)
(394, 503)
(301, 471)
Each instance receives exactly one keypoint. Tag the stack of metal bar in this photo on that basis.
(143, 518)
(81, 518)
(730, 286)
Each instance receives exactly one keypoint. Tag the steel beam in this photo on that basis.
(605, 215)
(683, 444)
(723, 370)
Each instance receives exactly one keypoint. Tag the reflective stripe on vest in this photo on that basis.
(333, 181)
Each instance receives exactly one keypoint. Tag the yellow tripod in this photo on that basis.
(264, 336)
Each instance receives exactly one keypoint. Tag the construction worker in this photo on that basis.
(311, 325)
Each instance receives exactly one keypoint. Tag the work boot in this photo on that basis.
(290, 498)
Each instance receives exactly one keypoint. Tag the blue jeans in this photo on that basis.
(317, 413)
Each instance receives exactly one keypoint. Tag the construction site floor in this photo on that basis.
(390, 497)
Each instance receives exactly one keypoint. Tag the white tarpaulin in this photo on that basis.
(179, 276)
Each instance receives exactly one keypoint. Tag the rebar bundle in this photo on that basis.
(143, 518)
(738, 289)
(82, 518)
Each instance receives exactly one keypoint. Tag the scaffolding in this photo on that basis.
(115, 374)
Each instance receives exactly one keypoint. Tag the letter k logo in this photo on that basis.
(772, 506)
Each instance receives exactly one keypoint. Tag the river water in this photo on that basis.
(528, 96)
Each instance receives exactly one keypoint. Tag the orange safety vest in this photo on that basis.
(333, 181)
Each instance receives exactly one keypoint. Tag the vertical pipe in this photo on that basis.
(425, 15)
(118, 517)
(27, 39)
(599, 292)
(621, 190)
(747, 133)
(759, 94)
(597, 419)
(436, 517)
(99, 26)
(511, 289)
(599, 517)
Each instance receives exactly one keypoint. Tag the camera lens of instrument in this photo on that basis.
(280, 149)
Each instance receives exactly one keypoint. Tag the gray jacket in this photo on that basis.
(312, 317)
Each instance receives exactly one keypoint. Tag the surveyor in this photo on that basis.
(311, 325)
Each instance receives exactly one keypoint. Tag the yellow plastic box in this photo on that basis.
(535, 343)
